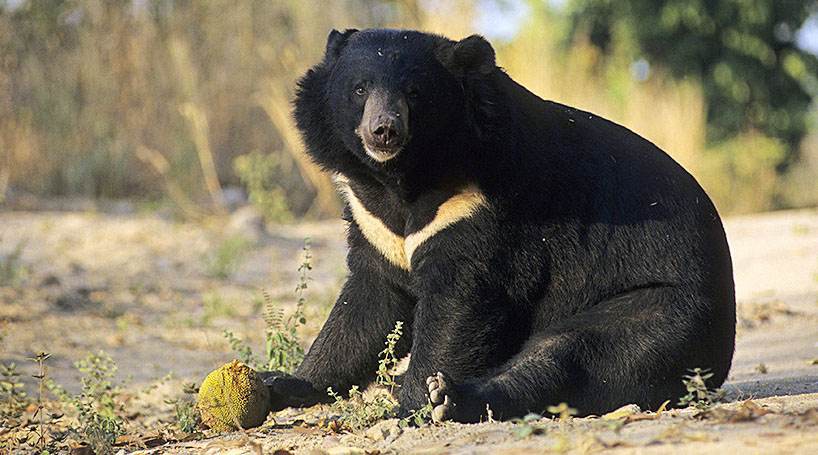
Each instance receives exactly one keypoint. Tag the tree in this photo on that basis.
(754, 75)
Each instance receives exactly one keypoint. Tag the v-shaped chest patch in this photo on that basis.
(398, 249)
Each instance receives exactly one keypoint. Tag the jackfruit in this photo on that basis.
(233, 397)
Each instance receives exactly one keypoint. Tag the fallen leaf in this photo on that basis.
(623, 412)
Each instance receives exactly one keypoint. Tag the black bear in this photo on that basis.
(536, 253)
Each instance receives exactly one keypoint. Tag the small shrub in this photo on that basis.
(282, 345)
(227, 257)
(698, 394)
(741, 174)
(215, 306)
(187, 418)
(358, 412)
(13, 398)
(562, 411)
(12, 271)
(97, 407)
(242, 350)
(528, 425)
(258, 173)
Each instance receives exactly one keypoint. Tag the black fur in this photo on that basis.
(597, 275)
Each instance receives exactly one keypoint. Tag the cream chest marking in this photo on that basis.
(398, 249)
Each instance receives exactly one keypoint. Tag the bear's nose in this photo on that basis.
(386, 131)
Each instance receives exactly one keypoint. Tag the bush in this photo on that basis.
(741, 174)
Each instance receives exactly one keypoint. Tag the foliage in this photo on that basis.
(282, 344)
(163, 100)
(215, 306)
(754, 75)
(187, 418)
(528, 425)
(388, 360)
(359, 412)
(260, 174)
(13, 398)
(97, 407)
(283, 350)
(562, 411)
(698, 394)
(740, 174)
(12, 271)
(111, 98)
(227, 257)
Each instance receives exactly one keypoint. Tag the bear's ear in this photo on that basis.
(469, 55)
(336, 42)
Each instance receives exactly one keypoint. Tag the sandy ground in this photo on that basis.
(153, 294)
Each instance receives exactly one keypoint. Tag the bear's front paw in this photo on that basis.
(440, 395)
(287, 390)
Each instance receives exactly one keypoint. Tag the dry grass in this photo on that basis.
(154, 103)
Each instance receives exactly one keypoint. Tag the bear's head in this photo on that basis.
(386, 100)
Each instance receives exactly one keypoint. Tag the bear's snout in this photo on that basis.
(384, 127)
(385, 130)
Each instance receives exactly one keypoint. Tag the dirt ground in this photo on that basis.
(157, 294)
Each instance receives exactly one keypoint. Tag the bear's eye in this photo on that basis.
(412, 92)
(360, 90)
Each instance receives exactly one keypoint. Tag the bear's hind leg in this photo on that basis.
(632, 348)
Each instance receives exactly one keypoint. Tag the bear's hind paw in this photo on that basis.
(440, 397)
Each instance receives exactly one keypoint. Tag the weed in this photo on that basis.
(562, 411)
(187, 418)
(387, 359)
(39, 413)
(241, 349)
(528, 425)
(214, 307)
(257, 172)
(31, 433)
(698, 394)
(227, 257)
(97, 406)
(13, 396)
(12, 271)
(282, 345)
(358, 412)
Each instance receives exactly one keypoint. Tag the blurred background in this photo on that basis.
(186, 104)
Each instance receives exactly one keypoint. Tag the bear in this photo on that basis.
(536, 253)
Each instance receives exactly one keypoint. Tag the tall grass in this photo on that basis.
(156, 99)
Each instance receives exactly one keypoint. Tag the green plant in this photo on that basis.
(39, 413)
(388, 360)
(282, 345)
(740, 174)
(227, 257)
(258, 173)
(97, 407)
(187, 418)
(12, 271)
(13, 398)
(528, 425)
(562, 411)
(242, 350)
(698, 394)
(358, 412)
(215, 306)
